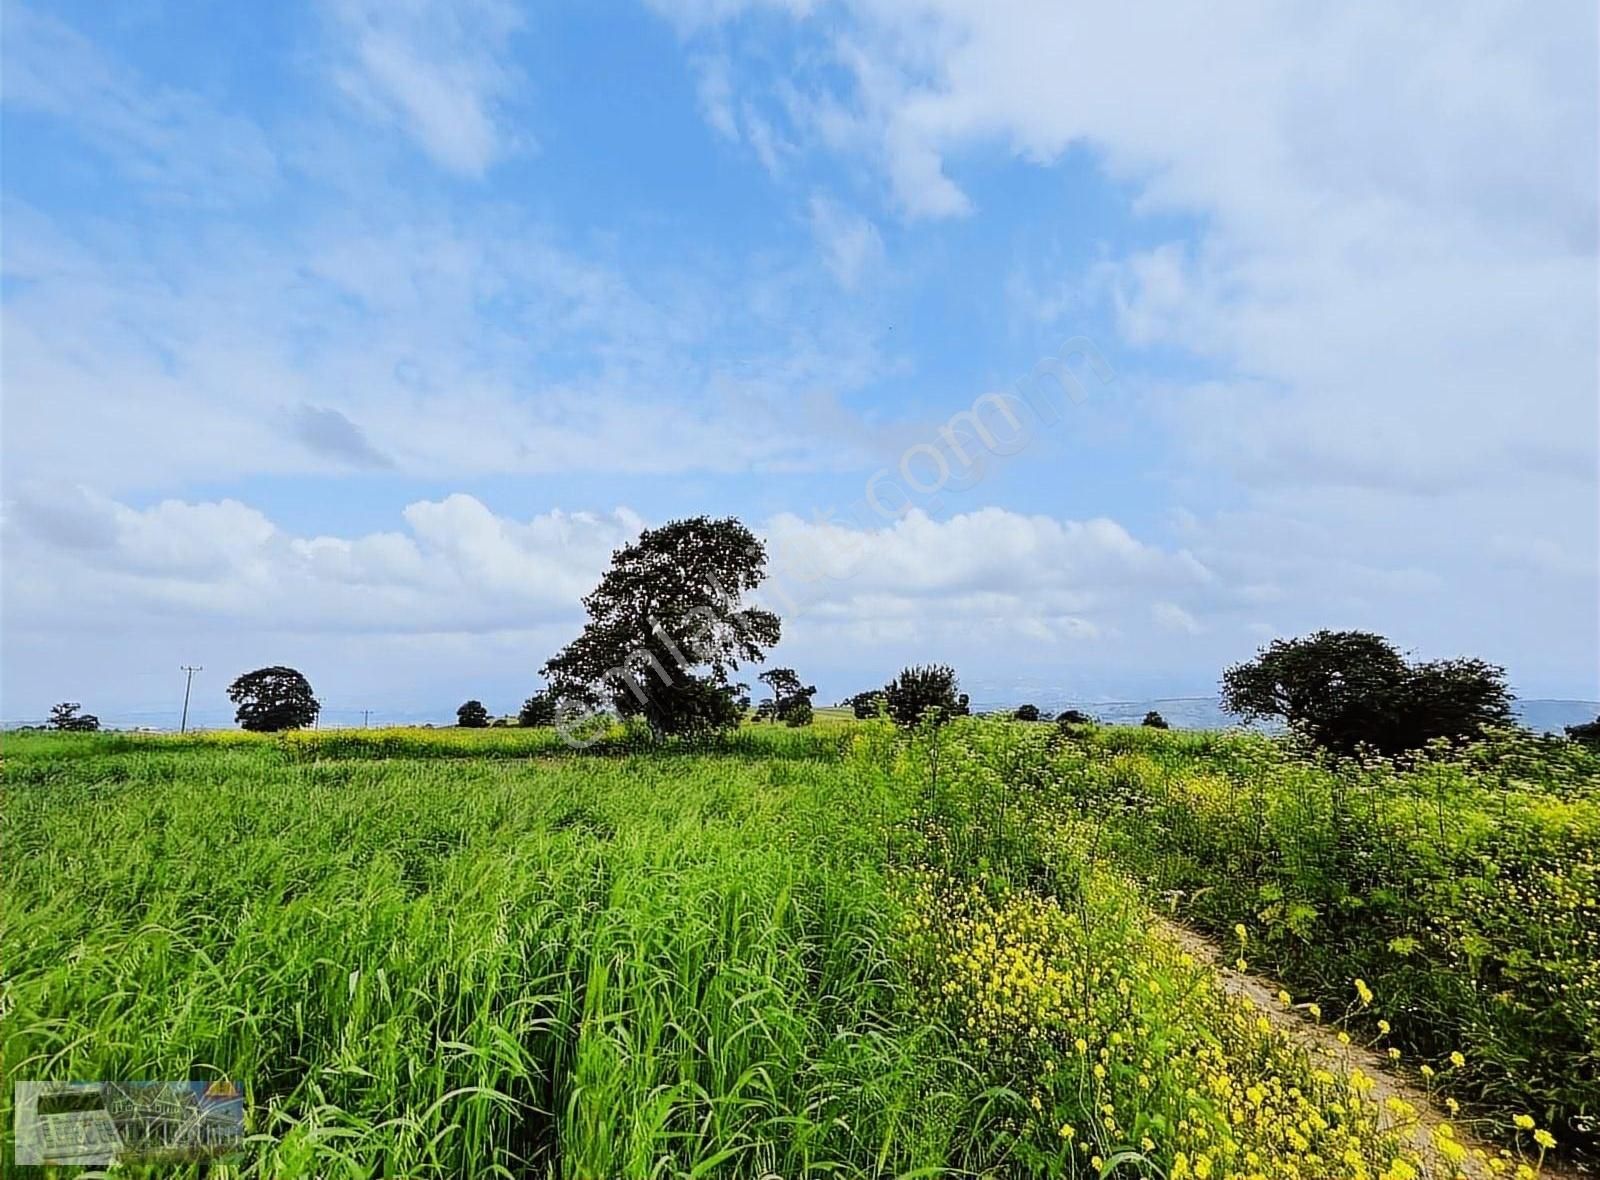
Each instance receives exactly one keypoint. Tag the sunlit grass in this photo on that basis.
(830, 950)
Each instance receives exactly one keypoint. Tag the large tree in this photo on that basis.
(667, 628)
(472, 715)
(271, 699)
(1347, 689)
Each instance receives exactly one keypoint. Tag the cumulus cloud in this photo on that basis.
(1085, 607)
(1380, 286)
(457, 567)
(991, 550)
(459, 564)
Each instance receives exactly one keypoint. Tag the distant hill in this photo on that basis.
(1539, 715)
(1554, 716)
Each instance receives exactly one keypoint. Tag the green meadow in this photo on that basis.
(840, 950)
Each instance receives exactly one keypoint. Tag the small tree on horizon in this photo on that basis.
(1154, 720)
(787, 693)
(921, 688)
(65, 717)
(472, 715)
(273, 699)
(1073, 717)
(1026, 713)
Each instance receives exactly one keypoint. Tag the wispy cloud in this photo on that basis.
(184, 370)
(436, 69)
(172, 144)
(850, 244)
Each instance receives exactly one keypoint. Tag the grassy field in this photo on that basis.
(828, 951)
(1463, 890)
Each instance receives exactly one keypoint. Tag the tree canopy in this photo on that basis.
(865, 705)
(921, 689)
(539, 709)
(667, 629)
(1348, 689)
(272, 699)
(472, 715)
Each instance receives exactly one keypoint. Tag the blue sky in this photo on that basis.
(355, 335)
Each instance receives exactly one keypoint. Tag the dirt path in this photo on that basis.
(1322, 1042)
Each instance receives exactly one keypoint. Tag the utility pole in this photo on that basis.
(188, 680)
(365, 713)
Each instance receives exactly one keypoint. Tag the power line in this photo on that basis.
(188, 680)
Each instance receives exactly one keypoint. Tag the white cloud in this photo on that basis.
(406, 335)
(1396, 216)
(1174, 618)
(1083, 606)
(991, 550)
(457, 567)
(150, 130)
(428, 347)
(1386, 268)
(850, 244)
(460, 565)
(896, 592)
(436, 69)
(714, 88)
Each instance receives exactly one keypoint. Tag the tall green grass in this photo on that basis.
(661, 964)
(458, 953)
